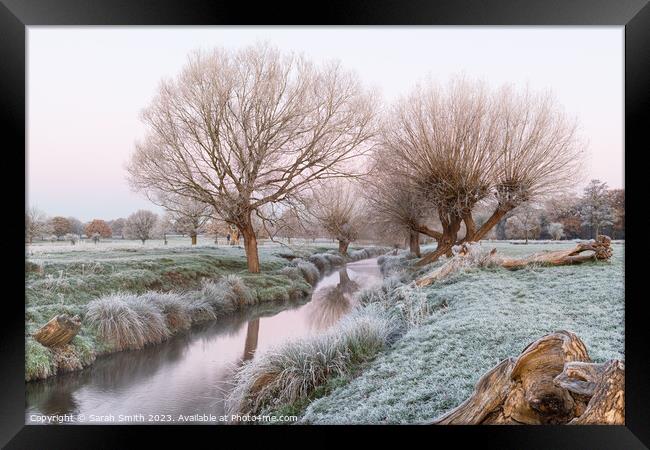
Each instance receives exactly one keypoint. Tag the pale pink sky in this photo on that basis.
(87, 86)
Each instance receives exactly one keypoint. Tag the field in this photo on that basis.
(64, 278)
(479, 318)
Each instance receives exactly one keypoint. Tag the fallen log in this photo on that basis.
(59, 331)
(598, 250)
(471, 254)
(553, 381)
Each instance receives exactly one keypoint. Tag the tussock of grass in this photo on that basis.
(309, 271)
(177, 312)
(116, 322)
(292, 371)
(321, 262)
(235, 292)
(154, 323)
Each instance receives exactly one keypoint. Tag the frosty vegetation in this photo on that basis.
(475, 319)
(130, 296)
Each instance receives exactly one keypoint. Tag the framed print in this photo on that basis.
(379, 214)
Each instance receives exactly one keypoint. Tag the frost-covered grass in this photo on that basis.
(477, 318)
(292, 371)
(129, 279)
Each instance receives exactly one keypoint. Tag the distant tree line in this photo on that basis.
(257, 143)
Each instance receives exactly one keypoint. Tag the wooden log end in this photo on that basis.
(59, 331)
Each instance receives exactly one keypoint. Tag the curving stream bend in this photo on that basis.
(189, 374)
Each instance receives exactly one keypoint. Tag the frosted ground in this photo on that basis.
(61, 278)
(480, 318)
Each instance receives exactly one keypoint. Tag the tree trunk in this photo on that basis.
(193, 236)
(494, 219)
(552, 382)
(414, 243)
(343, 247)
(597, 251)
(445, 244)
(470, 227)
(59, 331)
(250, 246)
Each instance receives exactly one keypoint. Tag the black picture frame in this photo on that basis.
(634, 15)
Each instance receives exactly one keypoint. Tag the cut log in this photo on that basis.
(553, 381)
(59, 331)
(471, 254)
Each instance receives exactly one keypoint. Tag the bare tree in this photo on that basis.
(239, 130)
(217, 227)
(188, 215)
(117, 227)
(35, 223)
(76, 226)
(395, 205)
(466, 145)
(596, 211)
(556, 230)
(337, 207)
(164, 226)
(140, 225)
(525, 221)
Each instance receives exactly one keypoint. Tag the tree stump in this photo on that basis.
(59, 331)
(553, 381)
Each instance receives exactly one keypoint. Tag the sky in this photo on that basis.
(86, 87)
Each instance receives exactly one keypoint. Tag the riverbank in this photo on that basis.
(139, 296)
(447, 335)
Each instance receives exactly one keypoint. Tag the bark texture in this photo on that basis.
(553, 381)
(59, 331)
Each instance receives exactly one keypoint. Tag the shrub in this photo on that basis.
(292, 371)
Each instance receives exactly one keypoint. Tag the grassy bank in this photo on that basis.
(442, 339)
(476, 319)
(129, 296)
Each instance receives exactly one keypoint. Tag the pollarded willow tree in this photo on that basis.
(395, 205)
(240, 130)
(337, 207)
(466, 145)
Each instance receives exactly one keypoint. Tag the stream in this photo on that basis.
(189, 374)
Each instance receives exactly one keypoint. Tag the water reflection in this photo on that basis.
(332, 302)
(192, 372)
(252, 333)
